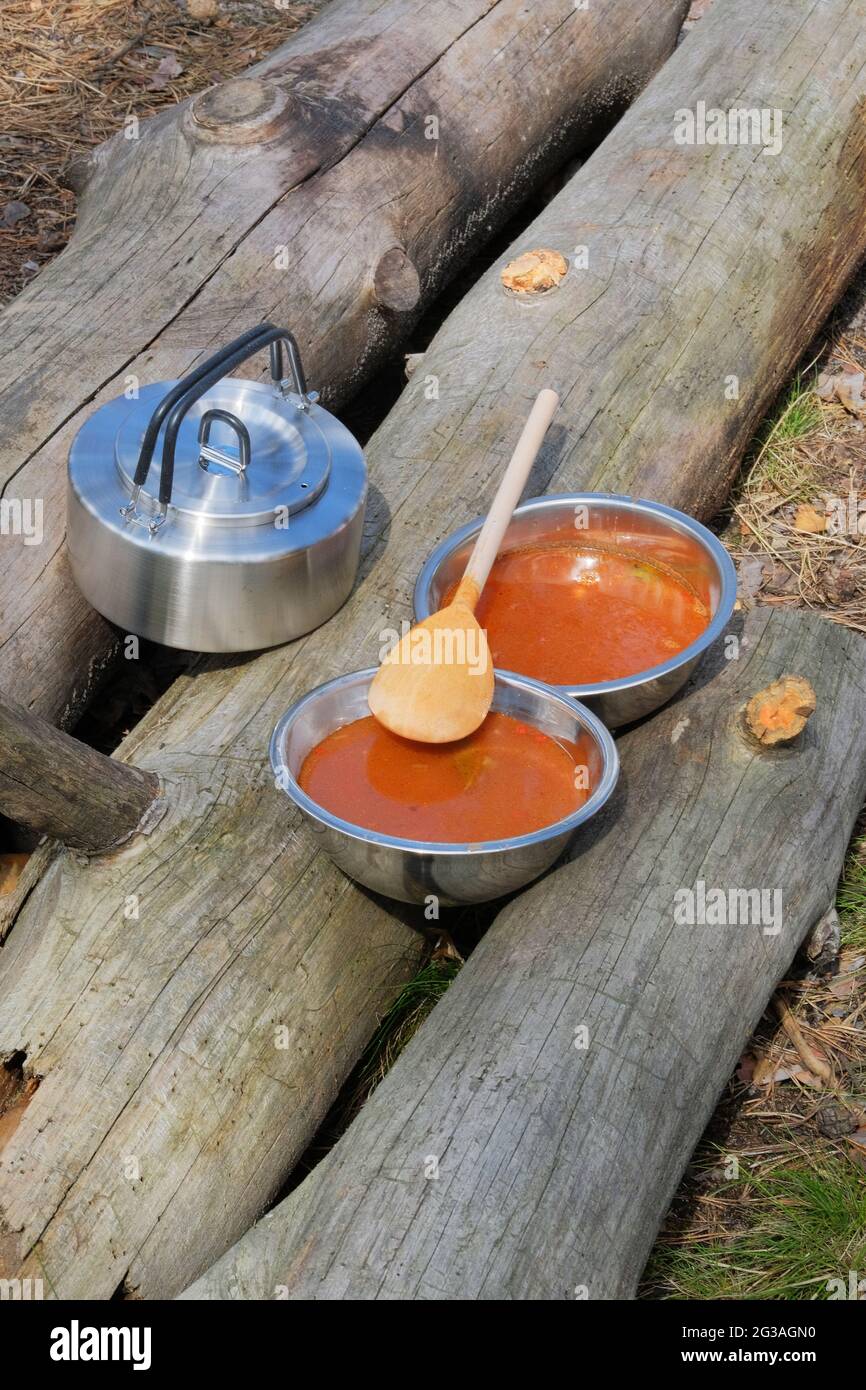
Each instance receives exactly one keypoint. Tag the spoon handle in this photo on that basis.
(506, 499)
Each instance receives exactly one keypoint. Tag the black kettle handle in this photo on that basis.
(270, 337)
(181, 397)
(178, 391)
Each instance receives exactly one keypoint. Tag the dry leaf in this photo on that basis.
(805, 1077)
(842, 989)
(14, 212)
(746, 1068)
(808, 518)
(768, 1076)
(534, 271)
(202, 9)
(750, 575)
(841, 586)
(168, 68)
(845, 387)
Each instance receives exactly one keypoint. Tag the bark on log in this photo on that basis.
(58, 786)
(242, 926)
(309, 193)
(558, 1153)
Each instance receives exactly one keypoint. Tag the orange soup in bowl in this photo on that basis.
(573, 614)
(506, 779)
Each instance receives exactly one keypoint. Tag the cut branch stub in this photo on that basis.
(778, 713)
(58, 786)
(396, 283)
(535, 272)
(239, 112)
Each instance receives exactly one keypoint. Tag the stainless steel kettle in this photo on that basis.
(214, 513)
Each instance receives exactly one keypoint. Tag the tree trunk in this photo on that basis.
(55, 785)
(334, 189)
(243, 927)
(528, 1141)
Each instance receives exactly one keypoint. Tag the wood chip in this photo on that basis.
(816, 1064)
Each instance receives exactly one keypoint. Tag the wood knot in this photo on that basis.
(779, 713)
(534, 272)
(240, 112)
(396, 283)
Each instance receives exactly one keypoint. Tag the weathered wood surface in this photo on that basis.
(307, 193)
(58, 786)
(564, 1080)
(159, 1038)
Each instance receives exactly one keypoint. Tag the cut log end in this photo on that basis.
(778, 714)
(59, 787)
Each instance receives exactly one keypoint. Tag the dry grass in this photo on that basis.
(73, 69)
(812, 452)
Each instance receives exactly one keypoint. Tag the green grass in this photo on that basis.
(775, 462)
(403, 1019)
(804, 1228)
(851, 898)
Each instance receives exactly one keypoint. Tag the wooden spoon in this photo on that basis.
(436, 684)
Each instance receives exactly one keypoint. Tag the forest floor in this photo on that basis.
(74, 69)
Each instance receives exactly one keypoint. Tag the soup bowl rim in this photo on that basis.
(679, 520)
(589, 722)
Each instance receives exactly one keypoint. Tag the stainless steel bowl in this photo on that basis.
(645, 528)
(413, 870)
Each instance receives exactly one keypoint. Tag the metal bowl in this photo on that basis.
(413, 870)
(645, 528)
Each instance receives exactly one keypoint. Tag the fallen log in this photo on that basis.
(335, 188)
(527, 1142)
(58, 786)
(243, 929)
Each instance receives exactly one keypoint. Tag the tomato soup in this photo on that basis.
(579, 614)
(506, 779)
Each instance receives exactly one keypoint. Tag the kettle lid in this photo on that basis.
(243, 450)
(278, 463)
